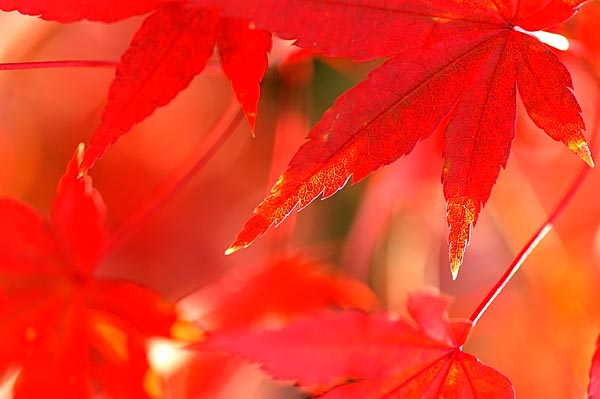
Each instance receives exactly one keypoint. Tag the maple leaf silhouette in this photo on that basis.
(172, 46)
(455, 67)
(67, 330)
(350, 354)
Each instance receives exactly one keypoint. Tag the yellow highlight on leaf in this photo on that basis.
(185, 331)
(461, 213)
(581, 148)
(153, 384)
(115, 340)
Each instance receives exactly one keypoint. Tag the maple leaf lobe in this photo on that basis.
(545, 86)
(243, 52)
(582, 149)
(172, 46)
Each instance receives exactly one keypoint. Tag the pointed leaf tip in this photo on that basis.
(232, 249)
(251, 118)
(461, 215)
(78, 216)
(79, 155)
(237, 245)
(243, 51)
(584, 153)
(454, 267)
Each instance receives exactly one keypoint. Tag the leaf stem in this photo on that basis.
(539, 235)
(225, 128)
(12, 66)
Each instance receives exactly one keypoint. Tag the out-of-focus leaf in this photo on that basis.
(70, 333)
(350, 354)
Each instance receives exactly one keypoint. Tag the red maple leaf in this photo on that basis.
(67, 330)
(172, 46)
(281, 289)
(455, 68)
(350, 354)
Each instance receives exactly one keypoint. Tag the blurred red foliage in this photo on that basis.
(386, 232)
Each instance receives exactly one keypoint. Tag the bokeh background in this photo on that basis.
(388, 231)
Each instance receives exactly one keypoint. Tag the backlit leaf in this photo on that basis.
(455, 69)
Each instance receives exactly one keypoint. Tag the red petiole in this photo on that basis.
(224, 129)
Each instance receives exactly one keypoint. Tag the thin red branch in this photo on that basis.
(177, 179)
(12, 66)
